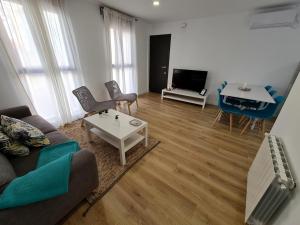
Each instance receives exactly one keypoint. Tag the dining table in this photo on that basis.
(255, 92)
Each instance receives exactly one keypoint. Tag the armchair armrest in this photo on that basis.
(16, 112)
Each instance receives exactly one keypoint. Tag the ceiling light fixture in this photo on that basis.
(156, 3)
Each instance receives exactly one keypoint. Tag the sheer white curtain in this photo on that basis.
(121, 49)
(38, 39)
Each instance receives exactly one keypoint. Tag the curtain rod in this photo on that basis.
(102, 7)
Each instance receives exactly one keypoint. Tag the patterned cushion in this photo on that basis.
(4, 140)
(12, 147)
(23, 132)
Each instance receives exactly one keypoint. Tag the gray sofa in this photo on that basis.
(83, 179)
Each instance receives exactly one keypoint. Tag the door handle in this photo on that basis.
(164, 67)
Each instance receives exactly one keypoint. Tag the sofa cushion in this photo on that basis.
(7, 173)
(28, 163)
(23, 132)
(12, 147)
(56, 137)
(16, 112)
(39, 123)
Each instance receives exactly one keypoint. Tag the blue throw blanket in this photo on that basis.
(48, 180)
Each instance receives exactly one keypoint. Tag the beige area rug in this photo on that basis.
(107, 156)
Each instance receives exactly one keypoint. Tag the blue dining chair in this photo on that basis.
(225, 108)
(272, 93)
(230, 100)
(254, 105)
(268, 87)
(262, 115)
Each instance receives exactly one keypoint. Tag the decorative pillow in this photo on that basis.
(4, 140)
(12, 147)
(23, 132)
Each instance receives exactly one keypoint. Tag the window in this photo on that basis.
(122, 61)
(43, 57)
(120, 34)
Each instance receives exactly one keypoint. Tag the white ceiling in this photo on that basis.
(176, 10)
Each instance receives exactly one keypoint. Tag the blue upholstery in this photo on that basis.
(267, 113)
(230, 100)
(268, 87)
(272, 93)
(225, 107)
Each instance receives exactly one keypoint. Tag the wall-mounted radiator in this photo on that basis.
(269, 182)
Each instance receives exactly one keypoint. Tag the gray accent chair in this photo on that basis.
(89, 104)
(117, 95)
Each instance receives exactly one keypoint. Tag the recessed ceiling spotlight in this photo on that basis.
(156, 3)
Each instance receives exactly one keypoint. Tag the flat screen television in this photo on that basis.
(193, 80)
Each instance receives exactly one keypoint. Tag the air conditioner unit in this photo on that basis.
(274, 18)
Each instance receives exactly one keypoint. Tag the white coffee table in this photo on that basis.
(117, 132)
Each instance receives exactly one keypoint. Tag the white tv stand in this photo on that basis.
(185, 96)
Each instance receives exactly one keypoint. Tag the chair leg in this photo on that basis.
(245, 128)
(263, 127)
(82, 121)
(217, 117)
(129, 112)
(136, 101)
(230, 120)
(242, 119)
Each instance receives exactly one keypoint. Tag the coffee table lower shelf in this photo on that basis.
(128, 143)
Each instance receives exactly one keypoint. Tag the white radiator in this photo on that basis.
(269, 182)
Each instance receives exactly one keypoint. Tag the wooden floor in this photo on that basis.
(197, 175)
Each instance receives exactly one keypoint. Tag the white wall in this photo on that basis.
(229, 50)
(287, 127)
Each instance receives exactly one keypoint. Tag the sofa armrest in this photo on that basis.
(84, 171)
(83, 180)
(16, 112)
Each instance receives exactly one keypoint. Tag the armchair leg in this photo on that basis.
(136, 101)
(129, 112)
(82, 122)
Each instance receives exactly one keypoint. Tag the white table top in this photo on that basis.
(119, 128)
(257, 93)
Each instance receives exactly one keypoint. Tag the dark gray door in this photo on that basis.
(159, 62)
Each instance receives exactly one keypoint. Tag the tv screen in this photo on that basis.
(189, 79)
